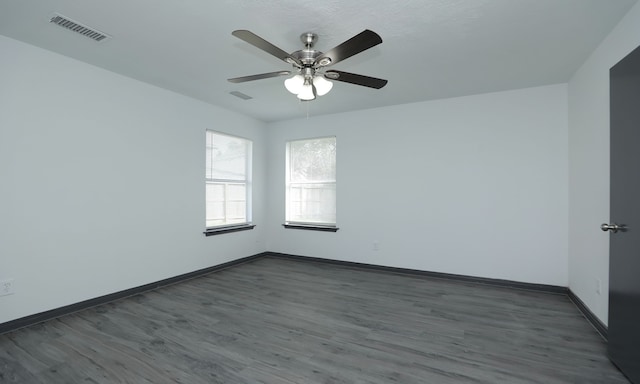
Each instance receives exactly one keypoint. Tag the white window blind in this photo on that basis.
(228, 180)
(311, 182)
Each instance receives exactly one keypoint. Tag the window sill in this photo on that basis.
(311, 227)
(236, 228)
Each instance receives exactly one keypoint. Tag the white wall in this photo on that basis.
(475, 185)
(102, 182)
(589, 164)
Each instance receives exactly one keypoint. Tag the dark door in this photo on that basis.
(624, 262)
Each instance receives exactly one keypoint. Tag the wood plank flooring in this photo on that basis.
(286, 321)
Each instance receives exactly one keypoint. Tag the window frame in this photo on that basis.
(308, 225)
(247, 182)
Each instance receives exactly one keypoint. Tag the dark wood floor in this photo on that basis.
(286, 321)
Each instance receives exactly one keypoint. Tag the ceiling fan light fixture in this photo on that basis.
(307, 93)
(294, 84)
(323, 86)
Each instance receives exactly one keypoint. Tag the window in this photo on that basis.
(311, 183)
(228, 181)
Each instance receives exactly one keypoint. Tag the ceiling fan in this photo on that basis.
(309, 66)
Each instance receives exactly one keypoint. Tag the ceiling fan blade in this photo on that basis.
(358, 43)
(258, 77)
(266, 46)
(366, 81)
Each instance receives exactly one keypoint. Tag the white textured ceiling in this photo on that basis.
(432, 49)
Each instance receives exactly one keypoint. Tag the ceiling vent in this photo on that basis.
(76, 27)
(241, 95)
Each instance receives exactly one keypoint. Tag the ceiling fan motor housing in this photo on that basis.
(306, 56)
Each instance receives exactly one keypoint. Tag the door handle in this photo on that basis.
(612, 227)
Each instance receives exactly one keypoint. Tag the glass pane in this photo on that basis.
(226, 157)
(236, 192)
(215, 191)
(236, 212)
(215, 204)
(226, 203)
(312, 203)
(313, 160)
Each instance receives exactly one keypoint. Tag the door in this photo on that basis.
(624, 249)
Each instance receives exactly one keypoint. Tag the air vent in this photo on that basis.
(241, 95)
(78, 28)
